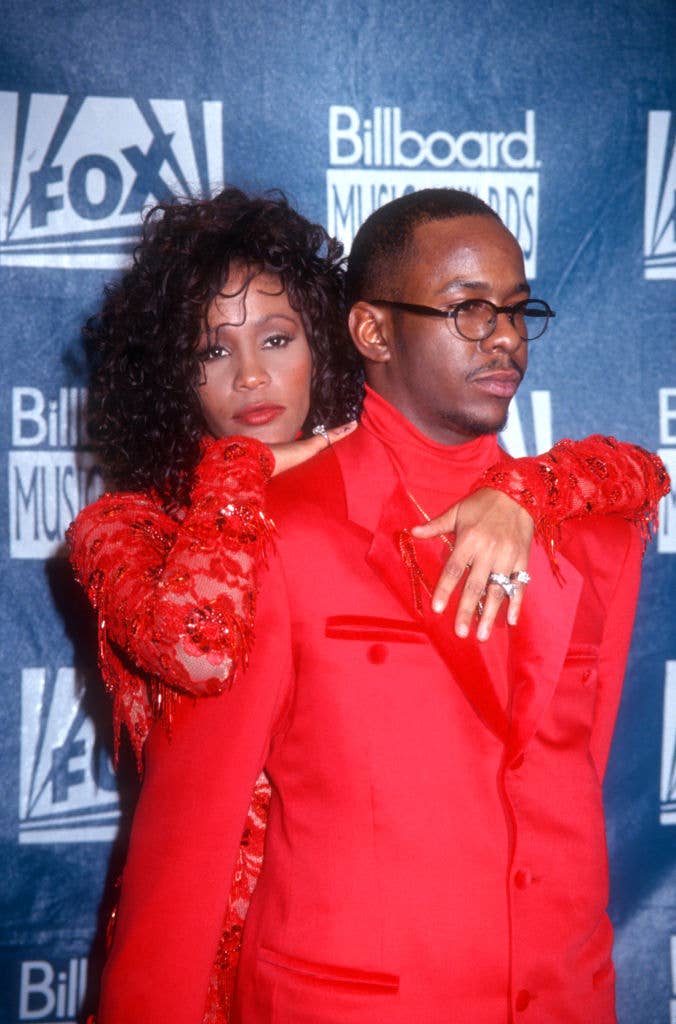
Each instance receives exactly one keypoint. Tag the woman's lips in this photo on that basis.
(259, 415)
(502, 383)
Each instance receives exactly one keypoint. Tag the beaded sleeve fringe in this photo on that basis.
(175, 599)
(596, 476)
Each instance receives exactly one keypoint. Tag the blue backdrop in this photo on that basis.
(560, 115)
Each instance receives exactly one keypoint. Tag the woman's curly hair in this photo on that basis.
(144, 413)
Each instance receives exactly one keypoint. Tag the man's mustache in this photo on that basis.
(506, 363)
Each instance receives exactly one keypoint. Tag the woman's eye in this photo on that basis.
(277, 341)
(214, 352)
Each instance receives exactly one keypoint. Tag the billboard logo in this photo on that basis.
(668, 772)
(52, 992)
(77, 171)
(659, 242)
(378, 158)
(51, 475)
(666, 535)
(67, 789)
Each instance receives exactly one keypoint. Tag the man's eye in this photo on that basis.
(474, 306)
(277, 341)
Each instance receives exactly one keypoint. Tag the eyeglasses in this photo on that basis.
(477, 319)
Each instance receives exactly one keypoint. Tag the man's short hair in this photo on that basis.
(383, 241)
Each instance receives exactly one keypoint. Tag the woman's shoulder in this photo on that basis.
(313, 487)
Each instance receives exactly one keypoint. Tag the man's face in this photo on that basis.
(448, 388)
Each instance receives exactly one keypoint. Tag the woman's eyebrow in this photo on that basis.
(257, 322)
(275, 316)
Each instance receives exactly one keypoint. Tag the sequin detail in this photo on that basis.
(417, 579)
(596, 476)
(175, 594)
(223, 977)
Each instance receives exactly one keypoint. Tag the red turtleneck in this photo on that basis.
(437, 475)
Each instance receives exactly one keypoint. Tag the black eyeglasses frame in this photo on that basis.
(543, 310)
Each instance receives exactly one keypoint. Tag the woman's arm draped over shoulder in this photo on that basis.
(596, 476)
(176, 599)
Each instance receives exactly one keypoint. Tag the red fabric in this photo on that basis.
(176, 605)
(175, 599)
(435, 839)
(583, 478)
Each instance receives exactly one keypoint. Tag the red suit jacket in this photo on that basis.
(435, 849)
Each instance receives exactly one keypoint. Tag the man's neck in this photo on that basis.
(442, 430)
(437, 472)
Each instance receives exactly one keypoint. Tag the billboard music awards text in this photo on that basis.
(376, 158)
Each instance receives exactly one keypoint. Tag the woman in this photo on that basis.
(231, 321)
(182, 358)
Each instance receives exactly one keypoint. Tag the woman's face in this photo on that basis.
(257, 361)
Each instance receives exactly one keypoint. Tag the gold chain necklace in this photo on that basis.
(407, 551)
(442, 536)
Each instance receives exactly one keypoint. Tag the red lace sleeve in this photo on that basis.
(175, 600)
(596, 476)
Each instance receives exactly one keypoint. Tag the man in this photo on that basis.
(435, 847)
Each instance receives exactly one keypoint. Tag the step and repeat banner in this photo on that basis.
(560, 116)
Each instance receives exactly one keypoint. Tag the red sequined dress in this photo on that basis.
(175, 594)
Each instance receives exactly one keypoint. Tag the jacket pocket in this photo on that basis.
(343, 976)
(374, 627)
(582, 652)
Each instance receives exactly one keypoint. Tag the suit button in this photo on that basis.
(377, 654)
(522, 1000)
(522, 879)
(517, 763)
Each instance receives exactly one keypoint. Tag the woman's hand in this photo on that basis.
(493, 534)
(294, 452)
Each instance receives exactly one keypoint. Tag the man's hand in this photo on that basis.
(492, 534)
(294, 452)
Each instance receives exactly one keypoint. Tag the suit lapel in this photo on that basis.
(377, 501)
(464, 658)
(539, 643)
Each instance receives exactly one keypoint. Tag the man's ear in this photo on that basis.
(370, 330)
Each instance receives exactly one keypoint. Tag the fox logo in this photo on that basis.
(67, 790)
(78, 171)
